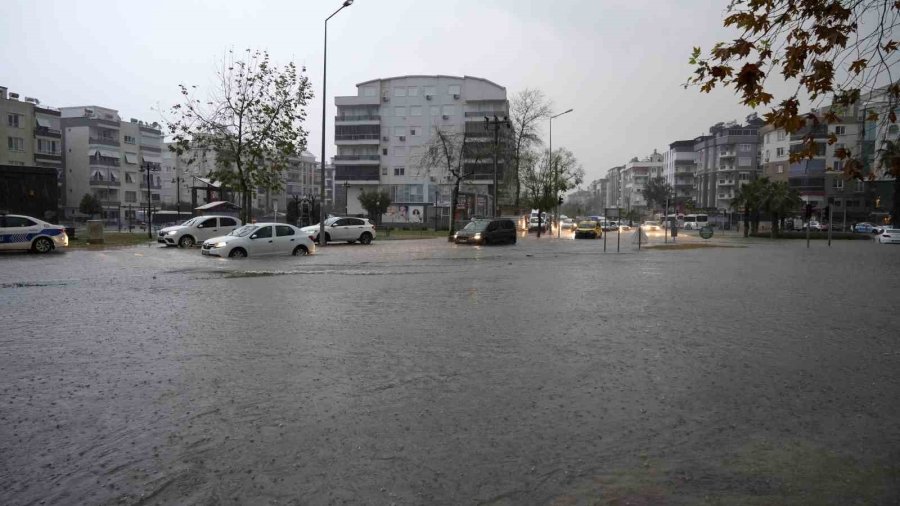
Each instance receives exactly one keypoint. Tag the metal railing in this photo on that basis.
(482, 114)
(106, 162)
(153, 186)
(363, 117)
(357, 137)
(357, 157)
(103, 140)
(104, 182)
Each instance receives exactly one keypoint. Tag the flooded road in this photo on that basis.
(418, 372)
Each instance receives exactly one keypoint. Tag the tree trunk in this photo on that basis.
(774, 232)
(895, 212)
(454, 197)
(746, 221)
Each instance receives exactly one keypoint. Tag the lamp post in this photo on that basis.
(149, 168)
(347, 3)
(496, 123)
(556, 173)
(346, 201)
(178, 180)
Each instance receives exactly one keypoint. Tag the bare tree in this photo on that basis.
(252, 121)
(526, 109)
(543, 176)
(456, 154)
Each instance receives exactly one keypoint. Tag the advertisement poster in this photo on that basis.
(403, 213)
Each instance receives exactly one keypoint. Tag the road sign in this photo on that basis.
(706, 232)
(612, 212)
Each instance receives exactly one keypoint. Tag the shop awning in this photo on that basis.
(106, 153)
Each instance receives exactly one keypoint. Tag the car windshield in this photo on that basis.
(243, 231)
(476, 226)
(587, 224)
(189, 222)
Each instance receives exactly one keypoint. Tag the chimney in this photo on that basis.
(3, 92)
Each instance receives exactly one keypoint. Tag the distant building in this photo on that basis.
(679, 163)
(613, 187)
(381, 131)
(725, 160)
(634, 178)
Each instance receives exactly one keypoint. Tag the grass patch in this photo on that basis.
(110, 240)
(690, 245)
(835, 236)
(398, 234)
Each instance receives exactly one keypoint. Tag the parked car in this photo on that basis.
(815, 226)
(651, 225)
(864, 228)
(889, 236)
(196, 230)
(624, 227)
(588, 230)
(533, 225)
(260, 239)
(879, 229)
(347, 229)
(568, 224)
(19, 232)
(609, 226)
(485, 232)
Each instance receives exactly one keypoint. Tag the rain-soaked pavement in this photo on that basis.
(418, 372)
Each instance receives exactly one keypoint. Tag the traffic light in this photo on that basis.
(560, 200)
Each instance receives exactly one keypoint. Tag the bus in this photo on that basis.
(695, 221)
(673, 219)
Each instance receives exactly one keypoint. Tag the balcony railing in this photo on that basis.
(106, 162)
(356, 137)
(356, 173)
(153, 186)
(104, 182)
(482, 114)
(106, 141)
(362, 117)
(357, 157)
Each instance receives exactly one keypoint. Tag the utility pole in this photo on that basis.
(496, 123)
(555, 186)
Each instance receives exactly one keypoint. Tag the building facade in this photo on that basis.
(679, 163)
(725, 160)
(635, 176)
(382, 131)
(613, 187)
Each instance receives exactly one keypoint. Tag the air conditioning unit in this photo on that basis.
(446, 117)
(456, 97)
(385, 138)
(402, 138)
(428, 97)
(385, 98)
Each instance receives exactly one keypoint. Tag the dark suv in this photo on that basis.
(487, 232)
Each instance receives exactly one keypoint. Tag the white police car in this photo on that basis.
(19, 232)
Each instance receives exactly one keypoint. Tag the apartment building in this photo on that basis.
(381, 133)
(30, 133)
(634, 178)
(613, 187)
(679, 163)
(725, 160)
(118, 162)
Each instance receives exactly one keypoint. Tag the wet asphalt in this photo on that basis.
(419, 372)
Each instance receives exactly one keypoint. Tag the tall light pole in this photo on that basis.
(556, 172)
(496, 123)
(347, 3)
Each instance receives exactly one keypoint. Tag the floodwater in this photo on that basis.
(419, 372)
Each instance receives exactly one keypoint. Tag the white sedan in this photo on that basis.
(18, 232)
(260, 239)
(889, 236)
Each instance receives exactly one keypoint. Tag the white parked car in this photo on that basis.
(343, 229)
(196, 230)
(18, 232)
(260, 239)
(889, 236)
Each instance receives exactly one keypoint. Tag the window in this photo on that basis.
(779, 169)
(400, 111)
(745, 161)
(384, 151)
(18, 221)
(208, 223)
(227, 222)
(839, 165)
(453, 89)
(263, 232)
(780, 135)
(413, 91)
(413, 130)
(368, 91)
(399, 171)
(434, 110)
(837, 183)
(155, 197)
(129, 177)
(384, 169)
(48, 147)
(448, 110)
(840, 130)
(130, 196)
(283, 230)
(399, 130)
(745, 148)
(860, 185)
(12, 120)
(779, 152)
(429, 90)
(415, 110)
(129, 139)
(399, 92)
(15, 143)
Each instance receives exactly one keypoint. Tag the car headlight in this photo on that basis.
(171, 232)
(220, 244)
(456, 235)
(478, 236)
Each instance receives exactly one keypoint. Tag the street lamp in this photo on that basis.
(347, 3)
(556, 173)
(496, 123)
(346, 201)
(149, 168)
(178, 180)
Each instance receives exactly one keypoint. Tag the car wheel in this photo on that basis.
(238, 253)
(186, 242)
(42, 245)
(365, 238)
(301, 251)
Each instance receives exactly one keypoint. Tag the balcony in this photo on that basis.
(106, 162)
(357, 158)
(727, 154)
(105, 141)
(356, 173)
(818, 132)
(153, 186)
(360, 138)
(104, 182)
(362, 117)
(47, 132)
(150, 147)
(479, 115)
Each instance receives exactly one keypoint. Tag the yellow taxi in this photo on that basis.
(588, 230)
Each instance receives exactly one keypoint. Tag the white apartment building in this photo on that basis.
(679, 163)
(613, 190)
(634, 178)
(29, 133)
(380, 134)
(726, 160)
(118, 162)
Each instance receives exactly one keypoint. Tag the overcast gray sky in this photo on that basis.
(618, 63)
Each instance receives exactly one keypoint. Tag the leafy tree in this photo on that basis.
(779, 200)
(889, 163)
(252, 121)
(526, 109)
(838, 50)
(455, 155)
(375, 202)
(292, 214)
(749, 198)
(90, 205)
(544, 177)
(658, 192)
